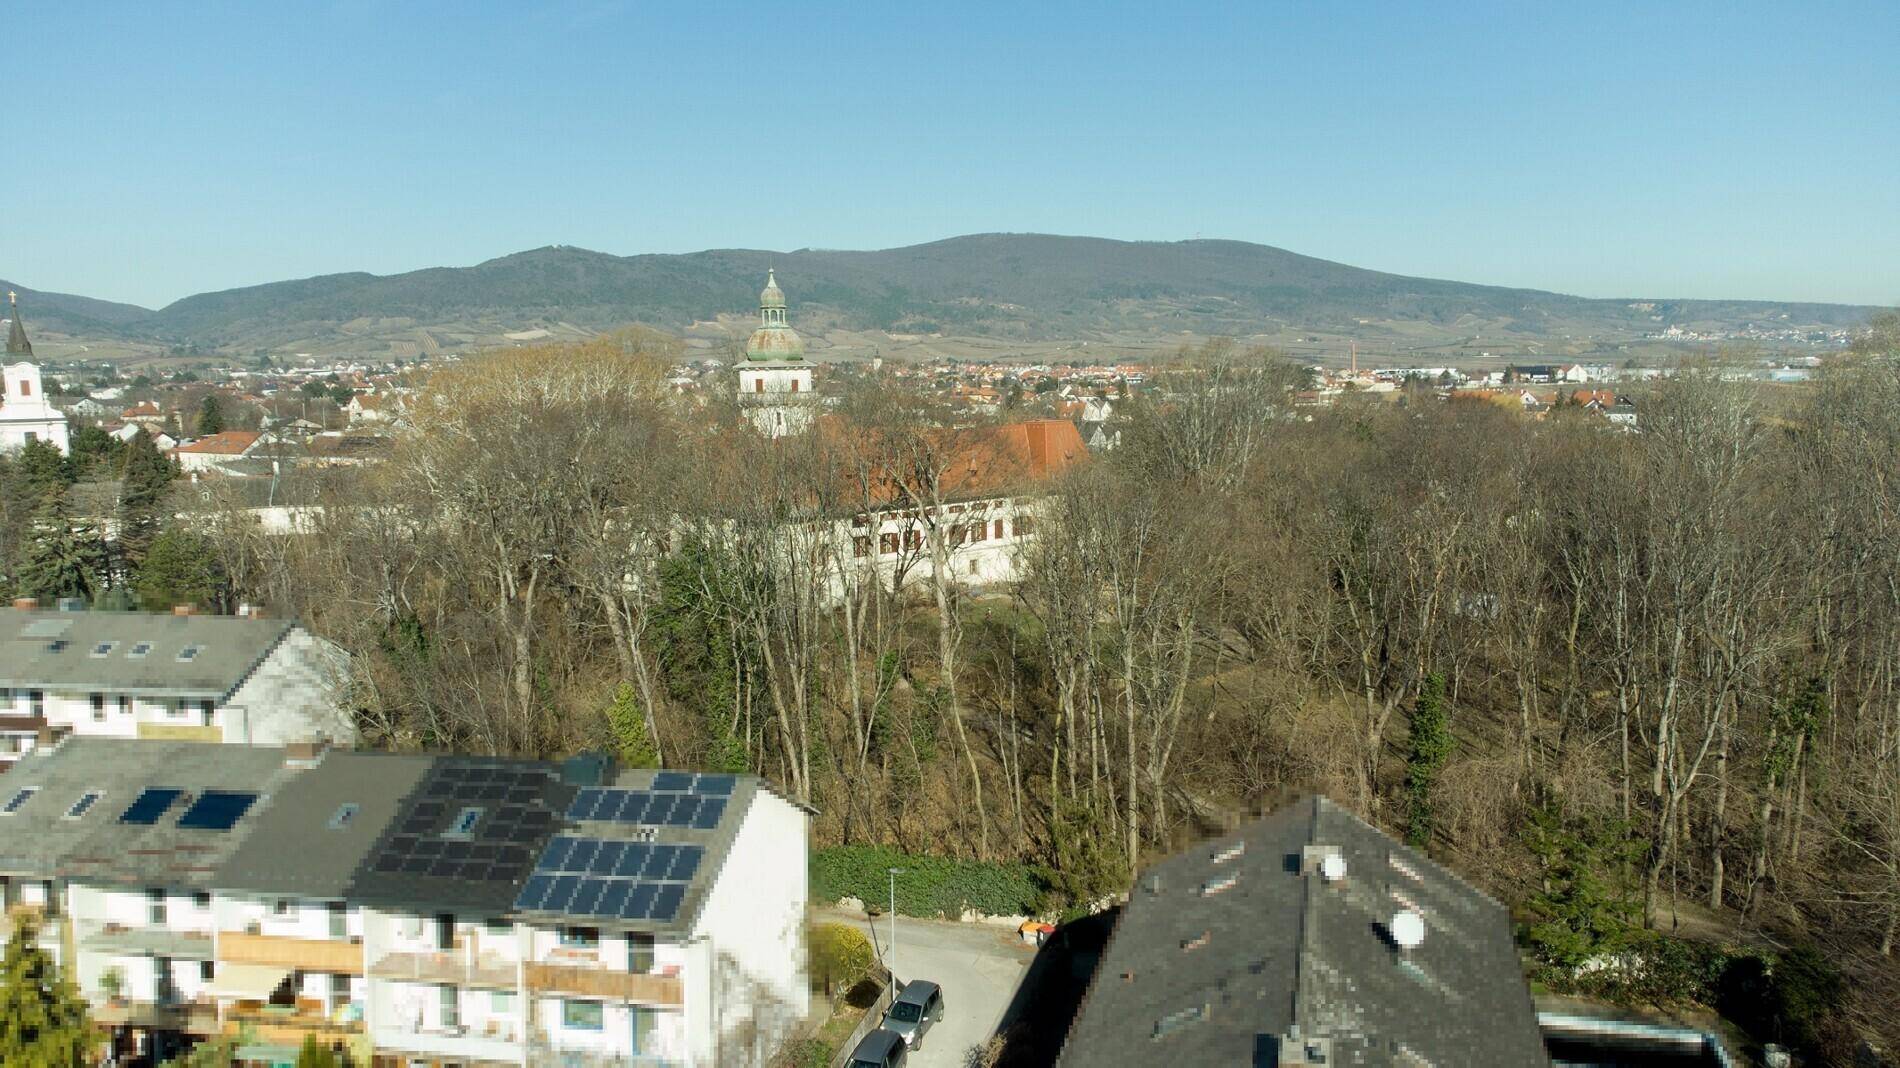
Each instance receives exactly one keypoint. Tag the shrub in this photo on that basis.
(840, 955)
(927, 886)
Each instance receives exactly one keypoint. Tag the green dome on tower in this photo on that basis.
(774, 339)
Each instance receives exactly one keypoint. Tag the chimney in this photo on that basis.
(71, 604)
(182, 610)
(26, 604)
(249, 611)
(304, 754)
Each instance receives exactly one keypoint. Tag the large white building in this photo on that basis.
(412, 909)
(166, 676)
(25, 414)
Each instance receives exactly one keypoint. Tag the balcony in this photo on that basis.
(290, 1023)
(662, 991)
(122, 940)
(337, 956)
(195, 1017)
(451, 967)
(498, 1044)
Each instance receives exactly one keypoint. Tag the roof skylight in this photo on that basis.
(138, 650)
(189, 653)
(13, 803)
(84, 804)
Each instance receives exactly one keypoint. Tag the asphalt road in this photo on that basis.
(978, 966)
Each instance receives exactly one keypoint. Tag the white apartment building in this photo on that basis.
(178, 677)
(413, 909)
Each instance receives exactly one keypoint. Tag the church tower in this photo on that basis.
(25, 415)
(775, 380)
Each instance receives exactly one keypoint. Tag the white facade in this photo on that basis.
(25, 415)
(294, 694)
(777, 397)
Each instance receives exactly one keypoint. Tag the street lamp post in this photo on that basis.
(893, 965)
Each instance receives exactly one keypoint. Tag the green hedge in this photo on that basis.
(928, 886)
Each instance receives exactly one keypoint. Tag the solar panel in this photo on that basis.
(581, 857)
(554, 857)
(715, 785)
(614, 898)
(685, 863)
(633, 859)
(660, 811)
(639, 901)
(533, 892)
(585, 895)
(608, 859)
(673, 781)
(149, 806)
(216, 810)
(667, 903)
(684, 812)
(561, 893)
(635, 810)
(711, 809)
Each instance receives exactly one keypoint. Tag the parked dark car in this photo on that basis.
(879, 1049)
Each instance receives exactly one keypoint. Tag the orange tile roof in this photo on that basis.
(227, 443)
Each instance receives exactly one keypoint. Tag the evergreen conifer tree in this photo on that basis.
(1431, 744)
(42, 1015)
(210, 416)
(61, 558)
(145, 481)
(180, 568)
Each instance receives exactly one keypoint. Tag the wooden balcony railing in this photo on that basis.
(662, 990)
(304, 954)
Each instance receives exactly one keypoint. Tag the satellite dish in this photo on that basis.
(1332, 867)
(1407, 928)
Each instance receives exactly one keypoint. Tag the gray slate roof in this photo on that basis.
(298, 848)
(39, 840)
(53, 650)
(1201, 970)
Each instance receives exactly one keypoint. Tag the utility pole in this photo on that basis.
(893, 961)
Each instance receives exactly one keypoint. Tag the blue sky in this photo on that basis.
(1684, 149)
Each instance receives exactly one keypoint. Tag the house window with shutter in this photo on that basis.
(887, 542)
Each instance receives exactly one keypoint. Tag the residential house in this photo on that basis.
(415, 909)
(212, 451)
(166, 676)
(1307, 938)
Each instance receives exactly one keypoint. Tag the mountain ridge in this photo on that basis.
(1001, 286)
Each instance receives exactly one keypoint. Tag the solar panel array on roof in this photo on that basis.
(216, 810)
(495, 846)
(611, 879)
(676, 799)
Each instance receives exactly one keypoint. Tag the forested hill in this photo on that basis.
(1016, 286)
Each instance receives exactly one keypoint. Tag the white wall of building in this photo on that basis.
(25, 414)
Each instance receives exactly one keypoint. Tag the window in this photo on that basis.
(644, 1020)
(103, 648)
(85, 803)
(37, 698)
(207, 971)
(1024, 526)
(342, 817)
(583, 1015)
(913, 540)
(26, 390)
(155, 907)
(18, 799)
(580, 937)
(758, 385)
(887, 542)
(501, 1003)
(465, 822)
(958, 532)
(177, 708)
(98, 708)
(189, 653)
(149, 805)
(280, 907)
(200, 900)
(125, 705)
(977, 530)
(860, 547)
(451, 1011)
(139, 651)
(207, 710)
(794, 385)
(639, 953)
(57, 645)
(998, 531)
